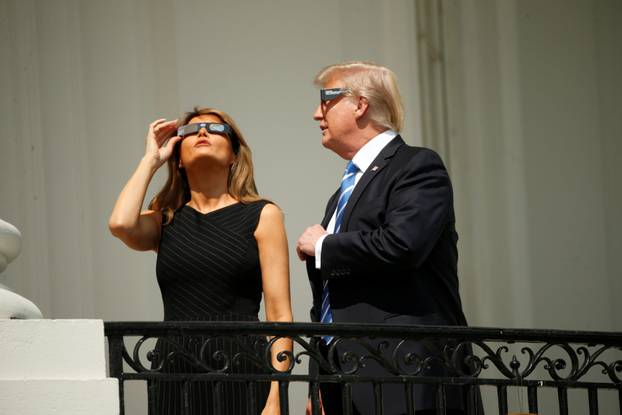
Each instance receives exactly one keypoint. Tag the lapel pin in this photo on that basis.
(374, 168)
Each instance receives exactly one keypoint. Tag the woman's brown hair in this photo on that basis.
(241, 183)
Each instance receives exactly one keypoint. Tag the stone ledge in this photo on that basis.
(52, 349)
(62, 397)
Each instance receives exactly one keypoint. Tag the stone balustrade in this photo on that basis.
(13, 305)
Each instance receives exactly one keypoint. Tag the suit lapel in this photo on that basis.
(383, 158)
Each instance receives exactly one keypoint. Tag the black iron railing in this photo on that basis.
(499, 360)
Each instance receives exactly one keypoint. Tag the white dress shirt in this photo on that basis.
(362, 159)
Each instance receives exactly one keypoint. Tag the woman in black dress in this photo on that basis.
(219, 247)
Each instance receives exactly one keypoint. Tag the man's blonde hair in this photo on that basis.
(376, 83)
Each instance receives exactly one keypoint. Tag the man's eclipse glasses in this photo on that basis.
(326, 94)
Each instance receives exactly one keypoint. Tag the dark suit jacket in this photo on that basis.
(395, 259)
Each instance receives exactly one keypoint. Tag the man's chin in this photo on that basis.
(327, 142)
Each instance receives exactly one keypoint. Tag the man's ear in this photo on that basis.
(361, 107)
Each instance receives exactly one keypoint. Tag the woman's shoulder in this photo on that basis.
(261, 210)
(270, 209)
(270, 219)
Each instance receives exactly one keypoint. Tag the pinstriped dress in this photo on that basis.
(208, 269)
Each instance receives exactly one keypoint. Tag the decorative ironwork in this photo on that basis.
(409, 355)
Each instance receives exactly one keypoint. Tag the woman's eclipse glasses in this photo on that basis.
(210, 127)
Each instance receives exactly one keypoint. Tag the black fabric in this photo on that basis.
(208, 270)
(393, 394)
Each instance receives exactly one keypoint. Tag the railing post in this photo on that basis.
(284, 396)
(441, 401)
(593, 400)
(115, 346)
(151, 397)
(346, 401)
(251, 387)
(410, 398)
(315, 397)
(562, 397)
(186, 409)
(532, 397)
(502, 399)
(378, 398)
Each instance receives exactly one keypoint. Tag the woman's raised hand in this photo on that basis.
(161, 139)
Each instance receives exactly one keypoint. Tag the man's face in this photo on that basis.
(337, 120)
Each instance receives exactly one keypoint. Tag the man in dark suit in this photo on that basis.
(385, 251)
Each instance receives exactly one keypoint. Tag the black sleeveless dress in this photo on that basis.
(208, 269)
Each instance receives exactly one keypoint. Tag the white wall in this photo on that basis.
(534, 122)
(608, 33)
(81, 80)
(535, 149)
(569, 99)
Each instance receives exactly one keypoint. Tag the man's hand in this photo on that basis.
(306, 243)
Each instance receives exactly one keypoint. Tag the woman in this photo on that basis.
(219, 246)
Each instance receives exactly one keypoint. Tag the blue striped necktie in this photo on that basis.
(347, 185)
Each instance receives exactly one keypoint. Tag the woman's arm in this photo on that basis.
(274, 260)
(141, 230)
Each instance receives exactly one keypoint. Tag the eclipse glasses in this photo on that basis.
(210, 127)
(326, 94)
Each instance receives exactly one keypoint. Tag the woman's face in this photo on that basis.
(204, 145)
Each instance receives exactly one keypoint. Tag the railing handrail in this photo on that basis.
(155, 328)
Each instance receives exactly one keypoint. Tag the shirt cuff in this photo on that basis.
(318, 252)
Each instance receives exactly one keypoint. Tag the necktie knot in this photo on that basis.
(350, 169)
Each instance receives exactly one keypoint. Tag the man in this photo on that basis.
(385, 251)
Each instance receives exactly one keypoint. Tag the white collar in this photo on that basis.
(368, 153)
